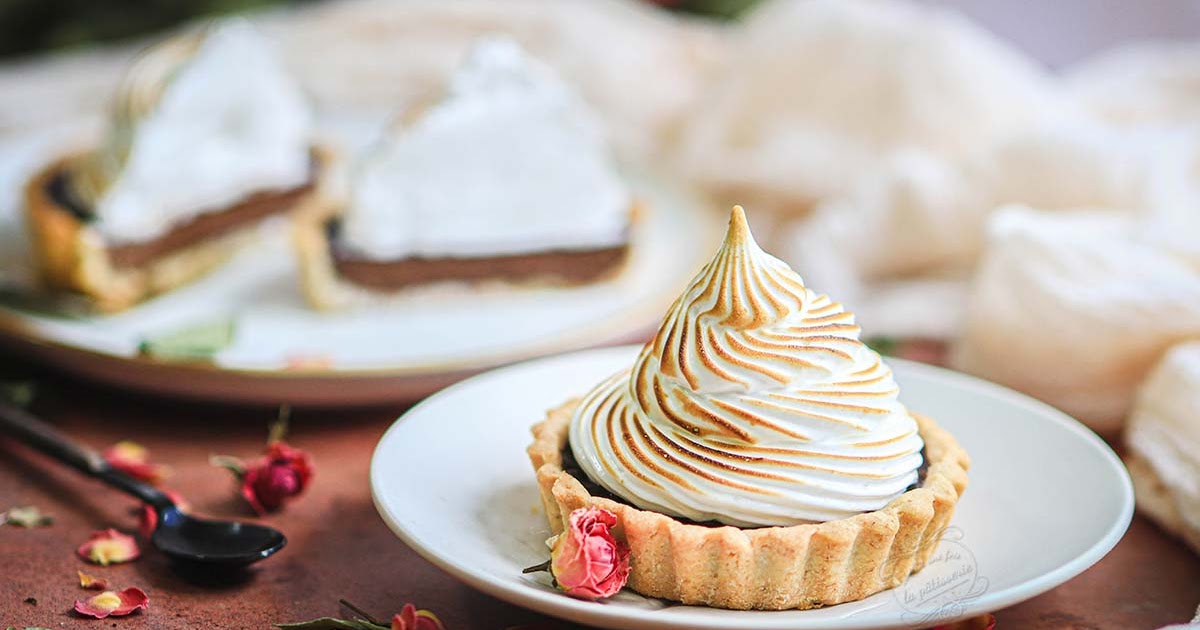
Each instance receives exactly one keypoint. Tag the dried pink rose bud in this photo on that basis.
(281, 475)
(587, 562)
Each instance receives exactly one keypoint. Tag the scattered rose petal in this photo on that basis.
(133, 459)
(410, 618)
(109, 546)
(308, 362)
(113, 603)
(587, 562)
(27, 516)
(982, 622)
(92, 582)
(148, 516)
(282, 474)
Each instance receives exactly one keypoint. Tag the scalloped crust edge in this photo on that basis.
(769, 568)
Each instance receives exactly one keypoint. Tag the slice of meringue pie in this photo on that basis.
(756, 453)
(207, 137)
(507, 179)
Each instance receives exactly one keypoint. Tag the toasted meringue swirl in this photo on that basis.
(755, 404)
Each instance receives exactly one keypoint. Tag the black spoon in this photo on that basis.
(195, 543)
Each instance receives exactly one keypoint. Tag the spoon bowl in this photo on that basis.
(224, 544)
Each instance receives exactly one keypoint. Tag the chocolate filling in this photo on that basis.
(571, 466)
(199, 228)
(572, 266)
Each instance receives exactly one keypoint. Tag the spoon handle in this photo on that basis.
(49, 440)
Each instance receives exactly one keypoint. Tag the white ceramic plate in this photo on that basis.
(281, 349)
(1047, 499)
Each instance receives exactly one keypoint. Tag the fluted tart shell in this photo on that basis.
(768, 568)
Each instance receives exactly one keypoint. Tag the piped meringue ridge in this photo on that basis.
(755, 404)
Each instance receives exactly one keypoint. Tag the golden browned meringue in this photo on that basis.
(755, 404)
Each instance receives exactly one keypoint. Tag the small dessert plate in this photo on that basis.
(1047, 499)
(244, 333)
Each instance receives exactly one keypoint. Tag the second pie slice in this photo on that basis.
(507, 179)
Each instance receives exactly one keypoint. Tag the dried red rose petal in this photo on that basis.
(92, 582)
(282, 474)
(410, 618)
(133, 459)
(113, 603)
(109, 546)
(982, 622)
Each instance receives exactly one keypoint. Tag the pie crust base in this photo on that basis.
(71, 255)
(769, 568)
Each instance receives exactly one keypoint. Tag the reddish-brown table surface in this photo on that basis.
(339, 548)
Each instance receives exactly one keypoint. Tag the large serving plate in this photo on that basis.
(1046, 500)
(280, 349)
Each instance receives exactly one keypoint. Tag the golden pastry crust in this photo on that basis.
(769, 568)
(70, 255)
(326, 289)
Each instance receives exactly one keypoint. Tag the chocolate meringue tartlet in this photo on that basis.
(507, 179)
(756, 453)
(207, 137)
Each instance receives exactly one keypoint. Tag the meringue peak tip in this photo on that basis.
(739, 228)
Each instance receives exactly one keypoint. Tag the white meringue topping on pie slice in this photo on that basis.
(510, 161)
(199, 123)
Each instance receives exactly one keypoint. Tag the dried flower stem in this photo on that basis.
(545, 566)
(361, 613)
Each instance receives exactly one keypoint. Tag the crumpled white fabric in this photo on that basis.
(1074, 307)
(1174, 213)
(1164, 432)
(820, 91)
(1073, 162)
(639, 66)
(363, 60)
(919, 217)
(1156, 83)
(897, 248)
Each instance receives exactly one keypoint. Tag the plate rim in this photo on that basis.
(364, 384)
(557, 605)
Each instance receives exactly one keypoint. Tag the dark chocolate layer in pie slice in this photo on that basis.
(578, 266)
(199, 228)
